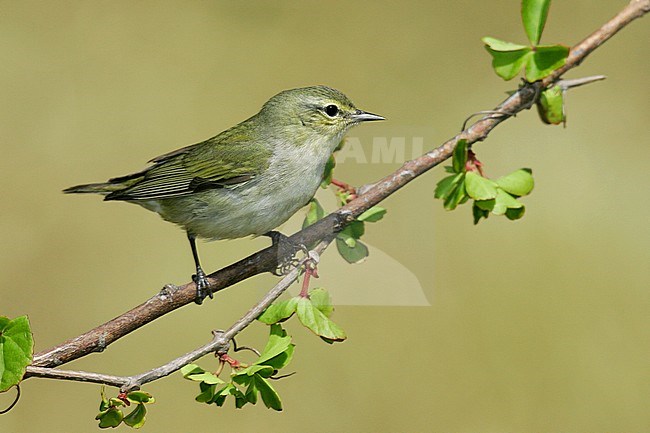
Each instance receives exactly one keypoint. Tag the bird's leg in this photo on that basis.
(286, 251)
(203, 288)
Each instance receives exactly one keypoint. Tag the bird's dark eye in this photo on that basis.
(331, 110)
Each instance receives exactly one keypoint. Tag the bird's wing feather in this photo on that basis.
(227, 160)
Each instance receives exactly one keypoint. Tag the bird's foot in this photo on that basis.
(287, 251)
(203, 288)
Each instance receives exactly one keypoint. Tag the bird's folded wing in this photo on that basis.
(207, 165)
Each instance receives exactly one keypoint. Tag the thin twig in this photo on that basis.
(13, 403)
(218, 343)
(266, 260)
(78, 376)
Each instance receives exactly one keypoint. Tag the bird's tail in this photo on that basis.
(113, 185)
(95, 188)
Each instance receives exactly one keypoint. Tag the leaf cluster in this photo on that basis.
(348, 242)
(111, 414)
(313, 311)
(498, 197)
(247, 382)
(537, 61)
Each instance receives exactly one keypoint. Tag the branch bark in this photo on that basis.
(266, 260)
(219, 343)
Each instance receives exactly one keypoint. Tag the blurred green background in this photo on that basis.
(537, 325)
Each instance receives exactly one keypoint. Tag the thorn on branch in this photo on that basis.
(567, 84)
(226, 345)
(491, 113)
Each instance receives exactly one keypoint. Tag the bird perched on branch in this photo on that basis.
(247, 180)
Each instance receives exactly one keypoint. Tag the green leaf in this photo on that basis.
(230, 389)
(251, 370)
(479, 213)
(550, 106)
(220, 395)
(504, 201)
(507, 58)
(446, 185)
(278, 342)
(191, 369)
(207, 393)
(322, 300)
(508, 64)
(354, 230)
(136, 418)
(329, 171)
(518, 183)
(314, 213)
(459, 156)
(503, 46)
(487, 205)
(140, 397)
(110, 418)
(515, 213)
(354, 254)
(251, 391)
(342, 196)
(545, 59)
(16, 350)
(373, 214)
(242, 379)
(114, 401)
(278, 312)
(240, 400)
(317, 322)
(219, 399)
(205, 377)
(457, 195)
(533, 15)
(478, 187)
(103, 405)
(269, 395)
(106, 403)
(281, 360)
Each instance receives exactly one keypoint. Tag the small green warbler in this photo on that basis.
(250, 178)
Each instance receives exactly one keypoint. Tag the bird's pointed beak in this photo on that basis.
(363, 116)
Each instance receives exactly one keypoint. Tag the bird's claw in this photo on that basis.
(203, 287)
(286, 250)
(291, 261)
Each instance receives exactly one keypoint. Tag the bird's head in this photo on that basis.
(316, 110)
